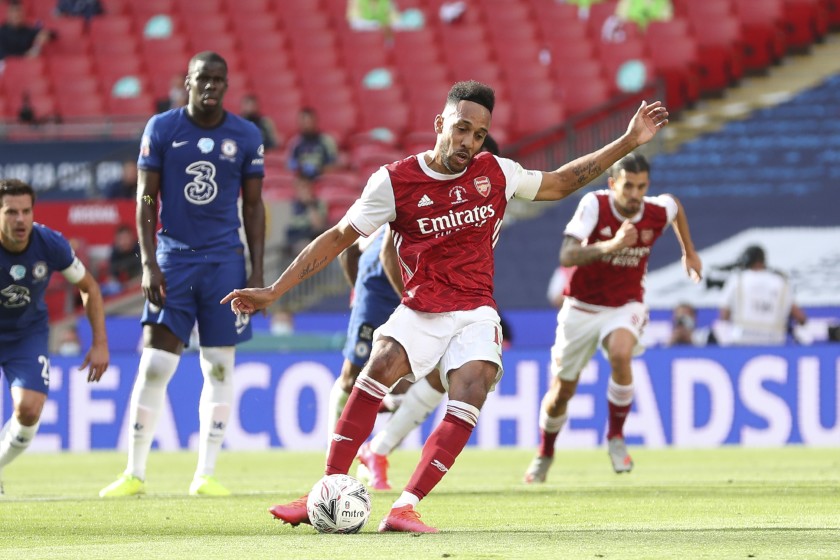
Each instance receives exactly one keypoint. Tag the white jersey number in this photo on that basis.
(15, 296)
(203, 189)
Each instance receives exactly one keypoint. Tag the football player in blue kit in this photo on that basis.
(29, 254)
(374, 299)
(196, 160)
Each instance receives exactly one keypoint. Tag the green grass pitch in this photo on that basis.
(684, 504)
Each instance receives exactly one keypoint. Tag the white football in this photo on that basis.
(338, 503)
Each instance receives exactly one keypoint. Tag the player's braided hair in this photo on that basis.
(472, 91)
(15, 187)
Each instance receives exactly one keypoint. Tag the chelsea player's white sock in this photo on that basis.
(147, 399)
(14, 439)
(214, 407)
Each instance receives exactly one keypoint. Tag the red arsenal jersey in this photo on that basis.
(445, 226)
(616, 278)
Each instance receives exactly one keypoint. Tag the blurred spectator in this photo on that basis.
(282, 323)
(17, 38)
(124, 261)
(308, 219)
(26, 113)
(126, 187)
(367, 15)
(250, 110)
(757, 304)
(69, 343)
(311, 152)
(642, 12)
(176, 97)
(684, 329)
(451, 12)
(83, 8)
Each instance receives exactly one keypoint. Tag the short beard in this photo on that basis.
(445, 162)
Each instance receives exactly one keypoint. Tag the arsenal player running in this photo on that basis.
(445, 208)
(607, 243)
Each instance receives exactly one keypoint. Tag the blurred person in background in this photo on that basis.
(757, 304)
(308, 217)
(684, 329)
(311, 152)
(126, 186)
(250, 111)
(17, 38)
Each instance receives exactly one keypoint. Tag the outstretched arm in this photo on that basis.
(690, 259)
(644, 125)
(314, 258)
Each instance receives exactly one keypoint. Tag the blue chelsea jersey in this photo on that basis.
(202, 171)
(372, 282)
(23, 282)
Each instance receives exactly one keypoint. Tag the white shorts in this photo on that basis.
(582, 328)
(445, 341)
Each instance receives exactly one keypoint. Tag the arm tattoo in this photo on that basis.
(585, 172)
(311, 268)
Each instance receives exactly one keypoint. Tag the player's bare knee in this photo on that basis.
(28, 414)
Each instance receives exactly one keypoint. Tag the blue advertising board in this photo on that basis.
(684, 397)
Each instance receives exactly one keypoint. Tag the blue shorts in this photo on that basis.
(367, 315)
(26, 362)
(193, 292)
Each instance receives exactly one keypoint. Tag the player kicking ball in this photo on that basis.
(445, 208)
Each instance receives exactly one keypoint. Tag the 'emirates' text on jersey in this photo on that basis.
(445, 226)
(616, 278)
(201, 175)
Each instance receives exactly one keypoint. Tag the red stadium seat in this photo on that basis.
(140, 106)
(584, 96)
(720, 53)
(70, 37)
(806, 22)
(75, 106)
(536, 117)
(677, 64)
(107, 27)
(763, 32)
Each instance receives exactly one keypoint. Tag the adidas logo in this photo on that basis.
(425, 201)
(606, 231)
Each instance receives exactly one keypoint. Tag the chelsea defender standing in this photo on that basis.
(29, 254)
(195, 160)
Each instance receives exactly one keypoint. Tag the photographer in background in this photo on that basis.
(757, 304)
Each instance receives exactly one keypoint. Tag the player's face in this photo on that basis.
(628, 191)
(15, 221)
(207, 84)
(461, 132)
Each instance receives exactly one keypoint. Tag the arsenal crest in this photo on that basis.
(482, 185)
(647, 236)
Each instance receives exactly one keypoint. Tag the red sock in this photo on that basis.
(618, 414)
(439, 453)
(547, 440)
(352, 429)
